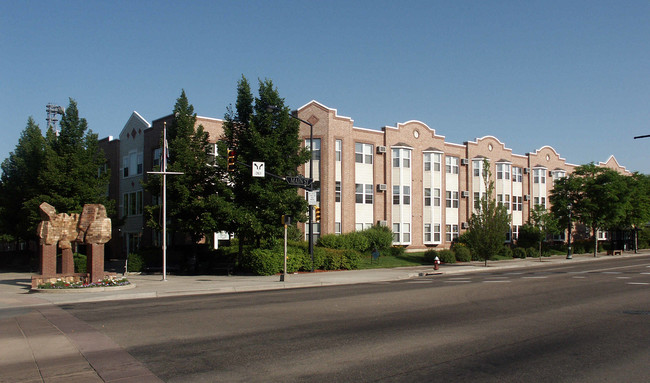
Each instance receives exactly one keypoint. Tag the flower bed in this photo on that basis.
(63, 284)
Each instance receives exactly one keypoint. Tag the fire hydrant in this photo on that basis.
(436, 262)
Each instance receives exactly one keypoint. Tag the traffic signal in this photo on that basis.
(231, 160)
(317, 213)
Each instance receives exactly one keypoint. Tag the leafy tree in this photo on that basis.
(489, 225)
(637, 209)
(197, 199)
(19, 183)
(257, 134)
(545, 223)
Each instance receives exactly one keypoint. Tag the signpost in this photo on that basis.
(299, 181)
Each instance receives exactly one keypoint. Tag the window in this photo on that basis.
(506, 200)
(407, 195)
(477, 166)
(396, 232)
(451, 165)
(427, 162)
(427, 232)
(406, 158)
(517, 204)
(396, 198)
(436, 232)
(337, 227)
(125, 167)
(516, 174)
(364, 193)
(436, 197)
(363, 153)
(337, 191)
(452, 199)
(437, 160)
(477, 200)
(451, 232)
(132, 203)
(503, 171)
(406, 233)
(427, 197)
(557, 174)
(156, 156)
(315, 155)
(515, 232)
(338, 147)
(539, 176)
(396, 158)
(139, 165)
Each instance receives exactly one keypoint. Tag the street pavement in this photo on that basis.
(43, 343)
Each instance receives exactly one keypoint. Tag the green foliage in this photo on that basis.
(379, 237)
(397, 251)
(356, 240)
(488, 226)
(519, 252)
(532, 252)
(332, 241)
(445, 256)
(506, 252)
(462, 253)
(135, 262)
(80, 263)
(263, 262)
(529, 236)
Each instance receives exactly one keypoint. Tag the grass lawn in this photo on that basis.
(388, 261)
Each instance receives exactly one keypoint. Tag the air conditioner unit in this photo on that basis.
(381, 187)
(527, 197)
(382, 222)
(464, 225)
(464, 194)
(464, 161)
(381, 149)
(526, 170)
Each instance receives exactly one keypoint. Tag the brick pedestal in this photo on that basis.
(67, 261)
(47, 261)
(95, 261)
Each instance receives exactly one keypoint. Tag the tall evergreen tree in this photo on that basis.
(257, 134)
(197, 199)
(71, 176)
(19, 183)
(489, 225)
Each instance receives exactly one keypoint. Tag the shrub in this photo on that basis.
(532, 252)
(379, 237)
(462, 253)
(332, 259)
(506, 252)
(80, 263)
(263, 262)
(331, 241)
(135, 262)
(296, 260)
(430, 255)
(519, 252)
(356, 241)
(445, 256)
(351, 260)
(397, 251)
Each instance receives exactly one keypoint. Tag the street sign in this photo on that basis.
(258, 169)
(311, 197)
(299, 181)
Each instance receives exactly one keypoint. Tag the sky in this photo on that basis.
(573, 75)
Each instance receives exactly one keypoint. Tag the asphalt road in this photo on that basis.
(587, 322)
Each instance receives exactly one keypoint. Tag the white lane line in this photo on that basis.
(612, 272)
(645, 273)
(497, 281)
(638, 283)
(623, 277)
(579, 277)
(537, 277)
(457, 281)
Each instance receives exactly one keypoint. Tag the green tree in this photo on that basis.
(257, 134)
(637, 210)
(19, 183)
(71, 176)
(197, 199)
(489, 225)
(544, 223)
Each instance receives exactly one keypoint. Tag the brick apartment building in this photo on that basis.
(405, 176)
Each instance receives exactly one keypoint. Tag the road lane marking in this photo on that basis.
(537, 277)
(623, 277)
(457, 281)
(497, 281)
(579, 277)
(638, 283)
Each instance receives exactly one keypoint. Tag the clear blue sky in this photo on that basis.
(574, 75)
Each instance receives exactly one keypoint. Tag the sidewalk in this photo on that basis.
(43, 343)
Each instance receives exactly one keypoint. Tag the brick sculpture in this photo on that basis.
(92, 227)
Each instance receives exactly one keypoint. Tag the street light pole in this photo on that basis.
(310, 229)
(568, 248)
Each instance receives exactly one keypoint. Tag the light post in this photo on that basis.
(568, 248)
(309, 188)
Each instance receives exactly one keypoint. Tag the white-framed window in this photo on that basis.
(516, 174)
(396, 233)
(436, 232)
(506, 201)
(406, 195)
(427, 162)
(396, 153)
(451, 165)
(427, 198)
(337, 191)
(157, 156)
(132, 203)
(437, 161)
(427, 232)
(401, 158)
(515, 232)
(517, 204)
(436, 197)
(337, 228)
(503, 171)
(364, 193)
(406, 233)
(477, 167)
(396, 194)
(539, 176)
(557, 174)
(451, 232)
(406, 158)
(477, 200)
(452, 199)
(363, 153)
(338, 145)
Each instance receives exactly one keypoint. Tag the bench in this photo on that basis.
(614, 252)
